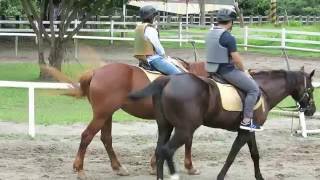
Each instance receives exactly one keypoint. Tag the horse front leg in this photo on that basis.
(240, 141)
(86, 138)
(252, 144)
(106, 139)
(188, 159)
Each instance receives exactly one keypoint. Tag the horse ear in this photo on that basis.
(312, 73)
(302, 69)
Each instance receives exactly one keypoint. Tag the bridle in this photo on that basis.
(306, 95)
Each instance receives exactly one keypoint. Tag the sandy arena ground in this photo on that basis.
(50, 155)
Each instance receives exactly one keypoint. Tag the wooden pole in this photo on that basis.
(273, 11)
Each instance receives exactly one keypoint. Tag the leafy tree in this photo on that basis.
(10, 7)
(67, 11)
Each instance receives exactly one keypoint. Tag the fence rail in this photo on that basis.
(180, 33)
(195, 19)
(31, 86)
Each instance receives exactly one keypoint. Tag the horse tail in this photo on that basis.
(83, 89)
(76, 91)
(155, 87)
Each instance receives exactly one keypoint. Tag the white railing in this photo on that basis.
(183, 34)
(31, 86)
(209, 18)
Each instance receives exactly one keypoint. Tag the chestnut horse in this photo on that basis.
(200, 104)
(107, 89)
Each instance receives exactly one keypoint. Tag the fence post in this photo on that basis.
(303, 124)
(283, 38)
(180, 18)
(245, 38)
(134, 18)
(111, 30)
(308, 20)
(301, 19)
(17, 19)
(2, 17)
(76, 45)
(251, 19)
(191, 19)
(211, 19)
(314, 19)
(180, 33)
(97, 19)
(169, 19)
(31, 113)
(16, 45)
(286, 19)
(260, 20)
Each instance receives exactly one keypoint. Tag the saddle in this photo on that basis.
(232, 99)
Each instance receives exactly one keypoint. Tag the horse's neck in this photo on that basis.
(198, 68)
(275, 89)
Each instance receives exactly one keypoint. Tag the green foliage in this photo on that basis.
(299, 7)
(254, 7)
(292, 7)
(10, 7)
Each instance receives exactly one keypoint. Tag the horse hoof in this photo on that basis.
(193, 171)
(122, 171)
(153, 172)
(81, 175)
(77, 165)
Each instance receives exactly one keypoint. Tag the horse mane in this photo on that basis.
(290, 76)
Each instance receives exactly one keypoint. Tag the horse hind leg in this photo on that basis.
(239, 142)
(167, 151)
(106, 139)
(164, 133)
(86, 138)
(252, 144)
(188, 159)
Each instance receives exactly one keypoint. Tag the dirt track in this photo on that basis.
(51, 153)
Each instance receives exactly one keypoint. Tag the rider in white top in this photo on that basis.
(147, 44)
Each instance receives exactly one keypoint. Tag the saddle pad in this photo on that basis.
(231, 100)
(152, 75)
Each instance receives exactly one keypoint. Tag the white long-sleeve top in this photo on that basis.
(151, 34)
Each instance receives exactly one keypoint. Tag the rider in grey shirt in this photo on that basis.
(223, 58)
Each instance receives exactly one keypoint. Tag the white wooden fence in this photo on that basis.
(31, 86)
(182, 34)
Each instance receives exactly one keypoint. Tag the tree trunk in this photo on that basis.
(56, 54)
(202, 7)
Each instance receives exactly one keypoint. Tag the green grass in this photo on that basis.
(51, 107)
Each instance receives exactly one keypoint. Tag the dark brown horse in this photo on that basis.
(200, 104)
(107, 89)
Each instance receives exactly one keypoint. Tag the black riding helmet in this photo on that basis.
(147, 12)
(225, 15)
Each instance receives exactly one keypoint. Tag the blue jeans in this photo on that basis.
(164, 66)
